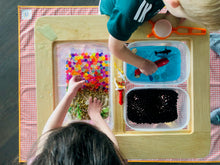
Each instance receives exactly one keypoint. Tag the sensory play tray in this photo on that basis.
(158, 105)
(89, 60)
(190, 142)
(176, 71)
(156, 109)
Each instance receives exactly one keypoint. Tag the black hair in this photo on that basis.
(78, 143)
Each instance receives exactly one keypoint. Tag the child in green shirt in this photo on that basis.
(126, 16)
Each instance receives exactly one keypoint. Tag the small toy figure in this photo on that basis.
(137, 73)
(165, 51)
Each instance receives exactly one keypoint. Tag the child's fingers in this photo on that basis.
(81, 83)
(95, 100)
(90, 99)
(98, 101)
(79, 78)
(76, 78)
(71, 79)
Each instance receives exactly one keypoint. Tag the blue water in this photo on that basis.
(168, 72)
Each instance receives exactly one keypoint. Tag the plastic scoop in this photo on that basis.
(119, 84)
(159, 63)
(162, 29)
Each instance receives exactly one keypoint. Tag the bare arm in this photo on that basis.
(118, 49)
(56, 118)
(94, 111)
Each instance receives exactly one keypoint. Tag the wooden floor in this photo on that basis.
(9, 73)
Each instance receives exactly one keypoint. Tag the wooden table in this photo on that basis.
(193, 142)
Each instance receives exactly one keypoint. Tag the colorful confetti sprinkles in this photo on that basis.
(94, 68)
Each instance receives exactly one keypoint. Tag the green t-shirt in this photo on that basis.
(127, 15)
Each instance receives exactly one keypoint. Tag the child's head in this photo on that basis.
(205, 12)
(78, 143)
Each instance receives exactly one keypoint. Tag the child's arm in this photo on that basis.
(94, 111)
(119, 49)
(56, 118)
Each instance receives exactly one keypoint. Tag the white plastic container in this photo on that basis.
(62, 50)
(183, 111)
(184, 66)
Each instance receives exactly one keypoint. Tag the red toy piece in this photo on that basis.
(159, 63)
(137, 73)
(120, 101)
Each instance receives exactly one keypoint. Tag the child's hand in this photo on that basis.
(148, 67)
(75, 83)
(94, 108)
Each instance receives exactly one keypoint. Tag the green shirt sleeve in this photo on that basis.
(120, 26)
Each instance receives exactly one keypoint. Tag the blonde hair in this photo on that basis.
(205, 12)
